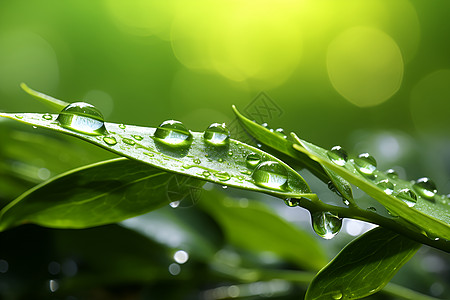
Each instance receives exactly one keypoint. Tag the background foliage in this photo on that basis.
(368, 75)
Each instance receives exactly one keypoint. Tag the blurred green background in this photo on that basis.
(368, 75)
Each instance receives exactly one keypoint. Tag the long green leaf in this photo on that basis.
(102, 193)
(46, 99)
(363, 267)
(225, 165)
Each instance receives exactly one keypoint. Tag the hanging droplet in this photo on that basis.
(137, 137)
(391, 173)
(366, 163)
(82, 117)
(386, 186)
(122, 126)
(128, 141)
(326, 224)
(407, 196)
(253, 160)
(217, 134)
(110, 140)
(425, 187)
(292, 202)
(280, 132)
(197, 161)
(271, 174)
(222, 176)
(173, 133)
(338, 155)
(47, 117)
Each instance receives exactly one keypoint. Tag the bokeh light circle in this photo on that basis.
(365, 66)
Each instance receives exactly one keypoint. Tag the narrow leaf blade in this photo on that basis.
(46, 99)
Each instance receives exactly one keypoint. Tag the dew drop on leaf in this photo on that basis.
(407, 196)
(391, 173)
(326, 224)
(272, 175)
(122, 126)
(173, 133)
(280, 132)
(110, 140)
(230, 153)
(366, 164)
(149, 154)
(128, 141)
(47, 117)
(337, 295)
(206, 174)
(253, 160)
(222, 176)
(217, 134)
(197, 161)
(19, 117)
(82, 117)
(292, 202)
(338, 155)
(137, 137)
(386, 186)
(425, 187)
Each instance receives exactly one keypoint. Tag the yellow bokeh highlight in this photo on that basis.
(365, 66)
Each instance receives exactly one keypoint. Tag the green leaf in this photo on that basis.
(363, 267)
(97, 194)
(46, 99)
(430, 216)
(252, 226)
(280, 143)
(224, 165)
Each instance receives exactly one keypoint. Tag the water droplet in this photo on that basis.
(220, 160)
(224, 187)
(372, 209)
(47, 117)
(271, 174)
(222, 176)
(408, 196)
(337, 295)
(217, 134)
(280, 132)
(197, 161)
(122, 126)
(346, 202)
(265, 125)
(230, 153)
(82, 117)
(110, 140)
(206, 173)
(128, 141)
(391, 173)
(253, 160)
(137, 137)
(326, 224)
(19, 117)
(366, 163)
(386, 186)
(149, 154)
(259, 145)
(292, 202)
(173, 133)
(338, 155)
(34, 127)
(425, 187)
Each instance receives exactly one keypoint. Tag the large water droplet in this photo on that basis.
(338, 155)
(217, 134)
(173, 133)
(391, 173)
(271, 174)
(366, 163)
(407, 196)
(253, 160)
(386, 186)
(425, 187)
(82, 117)
(326, 224)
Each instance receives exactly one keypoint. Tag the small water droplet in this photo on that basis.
(253, 160)
(47, 117)
(173, 133)
(391, 173)
(291, 202)
(326, 224)
(425, 187)
(110, 140)
(128, 141)
(386, 186)
(149, 154)
(372, 209)
(224, 187)
(366, 164)
(137, 137)
(217, 134)
(259, 145)
(34, 127)
(346, 202)
(407, 196)
(206, 173)
(19, 117)
(265, 125)
(122, 126)
(220, 160)
(271, 174)
(337, 295)
(338, 155)
(280, 132)
(222, 176)
(197, 161)
(82, 117)
(230, 153)
(175, 204)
